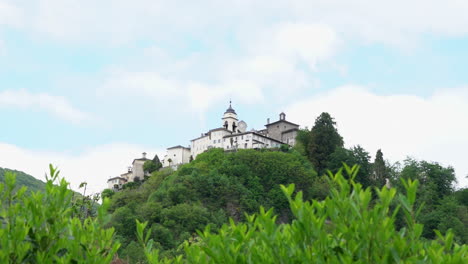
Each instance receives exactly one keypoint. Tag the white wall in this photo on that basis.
(177, 155)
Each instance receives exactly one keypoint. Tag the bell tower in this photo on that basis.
(230, 119)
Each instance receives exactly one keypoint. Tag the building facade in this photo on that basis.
(134, 173)
(232, 135)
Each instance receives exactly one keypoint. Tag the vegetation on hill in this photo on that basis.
(325, 217)
(218, 186)
(23, 179)
(347, 227)
(210, 190)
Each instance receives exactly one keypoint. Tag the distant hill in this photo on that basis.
(23, 179)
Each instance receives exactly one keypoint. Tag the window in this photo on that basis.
(214, 141)
(242, 137)
(219, 140)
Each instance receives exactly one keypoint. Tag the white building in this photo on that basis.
(233, 135)
(134, 173)
(176, 156)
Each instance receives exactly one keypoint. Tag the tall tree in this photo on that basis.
(354, 156)
(379, 170)
(324, 139)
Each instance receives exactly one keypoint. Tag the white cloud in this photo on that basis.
(117, 21)
(56, 105)
(10, 15)
(432, 128)
(266, 65)
(93, 166)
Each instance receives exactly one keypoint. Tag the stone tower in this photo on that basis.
(230, 119)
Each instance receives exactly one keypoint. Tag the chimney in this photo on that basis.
(144, 155)
(129, 168)
(268, 121)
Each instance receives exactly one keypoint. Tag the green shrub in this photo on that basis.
(42, 227)
(346, 227)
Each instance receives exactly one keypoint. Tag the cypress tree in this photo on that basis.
(324, 139)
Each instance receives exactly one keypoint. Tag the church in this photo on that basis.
(233, 135)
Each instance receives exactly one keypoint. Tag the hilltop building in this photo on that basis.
(230, 136)
(134, 173)
(233, 135)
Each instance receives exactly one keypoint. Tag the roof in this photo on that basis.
(178, 146)
(212, 130)
(116, 178)
(218, 129)
(141, 159)
(230, 109)
(281, 121)
(255, 133)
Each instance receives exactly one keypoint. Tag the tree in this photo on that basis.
(344, 228)
(152, 165)
(157, 161)
(323, 141)
(302, 141)
(107, 193)
(379, 170)
(356, 155)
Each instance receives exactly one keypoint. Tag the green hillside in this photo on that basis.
(23, 179)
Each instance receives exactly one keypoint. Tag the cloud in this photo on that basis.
(431, 128)
(56, 105)
(10, 15)
(93, 166)
(118, 21)
(284, 56)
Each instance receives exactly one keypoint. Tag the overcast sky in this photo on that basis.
(89, 85)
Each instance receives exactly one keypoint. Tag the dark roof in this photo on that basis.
(281, 121)
(178, 146)
(230, 109)
(114, 178)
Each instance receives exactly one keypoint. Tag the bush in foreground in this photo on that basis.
(46, 227)
(346, 227)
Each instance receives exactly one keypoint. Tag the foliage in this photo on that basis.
(440, 207)
(356, 155)
(152, 165)
(41, 227)
(322, 140)
(207, 191)
(23, 179)
(107, 193)
(379, 170)
(344, 228)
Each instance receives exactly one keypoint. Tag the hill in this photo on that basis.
(23, 179)
(208, 191)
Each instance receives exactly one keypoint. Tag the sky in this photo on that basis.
(89, 85)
